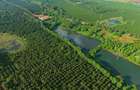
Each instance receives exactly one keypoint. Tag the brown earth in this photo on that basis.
(41, 17)
(137, 1)
(127, 38)
(1, 87)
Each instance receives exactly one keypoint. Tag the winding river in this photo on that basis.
(116, 64)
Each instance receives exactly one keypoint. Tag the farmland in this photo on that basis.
(94, 10)
(47, 62)
(115, 30)
(108, 28)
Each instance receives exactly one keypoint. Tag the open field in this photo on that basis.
(93, 10)
(126, 1)
(10, 43)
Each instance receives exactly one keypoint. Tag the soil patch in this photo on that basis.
(41, 17)
(127, 38)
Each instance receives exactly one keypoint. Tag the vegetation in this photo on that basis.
(94, 10)
(47, 62)
(120, 42)
(26, 4)
(113, 39)
(10, 43)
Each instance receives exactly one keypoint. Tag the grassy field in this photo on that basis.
(37, 1)
(10, 43)
(93, 10)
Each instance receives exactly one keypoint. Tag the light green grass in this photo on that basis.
(11, 43)
(37, 1)
(94, 10)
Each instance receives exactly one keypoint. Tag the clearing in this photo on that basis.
(127, 38)
(41, 17)
(10, 43)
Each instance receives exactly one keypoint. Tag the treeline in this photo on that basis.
(14, 20)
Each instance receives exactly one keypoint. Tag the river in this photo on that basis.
(116, 64)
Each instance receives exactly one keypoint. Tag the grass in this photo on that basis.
(37, 1)
(10, 43)
(94, 10)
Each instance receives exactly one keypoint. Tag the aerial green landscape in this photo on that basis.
(69, 45)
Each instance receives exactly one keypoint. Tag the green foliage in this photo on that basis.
(47, 62)
(93, 51)
(33, 7)
(94, 10)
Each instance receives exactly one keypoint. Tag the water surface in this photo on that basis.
(116, 64)
(119, 65)
(81, 41)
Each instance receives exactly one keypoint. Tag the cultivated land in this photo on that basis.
(107, 21)
(53, 63)
(47, 62)
(93, 10)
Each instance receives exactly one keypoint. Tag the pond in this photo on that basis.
(116, 64)
(113, 22)
(83, 42)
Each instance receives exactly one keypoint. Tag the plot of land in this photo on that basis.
(126, 1)
(127, 38)
(10, 43)
(114, 21)
(95, 10)
(137, 1)
(41, 17)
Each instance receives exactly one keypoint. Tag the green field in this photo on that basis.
(47, 62)
(93, 10)
(11, 43)
(115, 24)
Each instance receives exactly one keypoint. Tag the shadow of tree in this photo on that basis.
(127, 80)
(4, 59)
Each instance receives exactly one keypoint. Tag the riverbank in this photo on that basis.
(114, 79)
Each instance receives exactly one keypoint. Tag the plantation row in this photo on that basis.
(57, 68)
